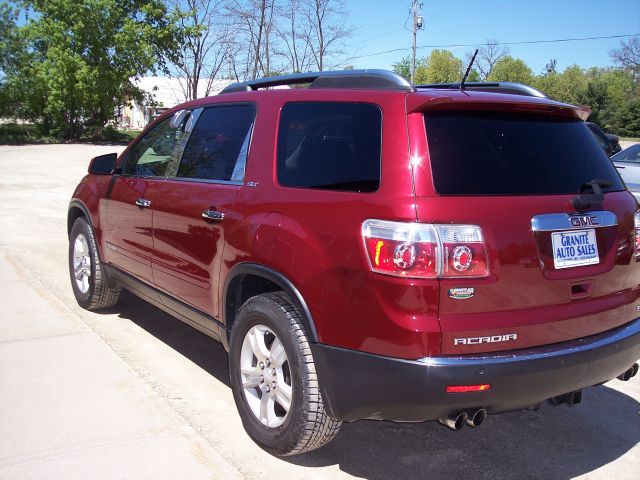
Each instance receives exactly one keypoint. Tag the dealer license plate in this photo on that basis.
(574, 248)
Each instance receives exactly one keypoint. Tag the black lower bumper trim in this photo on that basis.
(357, 385)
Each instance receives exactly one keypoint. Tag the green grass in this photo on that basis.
(24, 134)
(118, 136)
(630, 139)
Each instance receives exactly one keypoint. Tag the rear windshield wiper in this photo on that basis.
(585, 200)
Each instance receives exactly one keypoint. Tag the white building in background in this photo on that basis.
(166, 92)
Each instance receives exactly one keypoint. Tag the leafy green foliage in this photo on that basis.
(441, 66)
(474, 76)
(78, 58)
(8, 35)
(403, 67)
(612, 94)
(70, 63)
(509, 69)
(29, 133)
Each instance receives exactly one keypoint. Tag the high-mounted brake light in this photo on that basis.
(636, 245)
(419, 250)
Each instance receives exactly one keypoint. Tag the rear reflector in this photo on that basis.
(468, 388)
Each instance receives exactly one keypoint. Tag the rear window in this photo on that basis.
(478, 153)
(330, 145)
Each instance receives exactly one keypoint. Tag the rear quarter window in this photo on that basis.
(330, 145)
(481, 153)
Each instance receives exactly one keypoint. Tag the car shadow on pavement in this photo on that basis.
(205, 352)
(554, 442)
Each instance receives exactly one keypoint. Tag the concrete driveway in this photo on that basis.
(134, 393)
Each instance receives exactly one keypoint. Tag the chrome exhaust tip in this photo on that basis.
(455, 420)
(629, 374)
(476, 418)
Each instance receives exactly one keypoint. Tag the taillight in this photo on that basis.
(402, 249)
(464, 251)
(420, 250)
(636, 245)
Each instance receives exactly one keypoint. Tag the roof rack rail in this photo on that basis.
(496, 87)
(363, 79)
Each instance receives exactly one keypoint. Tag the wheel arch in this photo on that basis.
(76, 210)
(248, 279)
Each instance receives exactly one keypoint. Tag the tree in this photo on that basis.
(9, 42)
(326, 31)
(509, 69)
(441, 66)
(288, 35)
(474, 76)
(551, 67)
(294, 49)
(10, 48)
(403, 67)
(571, 85)
(251, 53)
(488, 55)
(612, 94)
(628, 55)
(619, 92)
(595, 98)
(79, 57)
(203, 45)
(629, 119)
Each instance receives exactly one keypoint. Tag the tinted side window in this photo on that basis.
(478, 153)
(330, 145)
(153, 153)
(218, 145)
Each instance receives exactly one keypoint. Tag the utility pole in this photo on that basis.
(230, 60)
(417, 25)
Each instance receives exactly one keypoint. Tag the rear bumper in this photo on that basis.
(357, 385)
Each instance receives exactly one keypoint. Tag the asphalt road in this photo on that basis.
(172, 382)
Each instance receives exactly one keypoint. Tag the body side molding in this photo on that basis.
(189, 315)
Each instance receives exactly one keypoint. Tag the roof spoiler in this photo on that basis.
(496, 87)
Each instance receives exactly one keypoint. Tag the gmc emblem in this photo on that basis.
(586, 221)
(478, 340)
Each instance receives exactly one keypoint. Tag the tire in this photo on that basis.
(305, 426)
(85, 270)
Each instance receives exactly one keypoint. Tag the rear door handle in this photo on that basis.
(620, 168)
(213, 215)
(143, 202)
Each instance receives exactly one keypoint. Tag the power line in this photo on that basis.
(454, 12)
(524, 42)
(494, 7)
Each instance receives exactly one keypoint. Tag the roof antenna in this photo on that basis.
(466, 74)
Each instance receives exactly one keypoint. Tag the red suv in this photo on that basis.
(364, 248)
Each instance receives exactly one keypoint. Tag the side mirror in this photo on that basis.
(103, 164)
